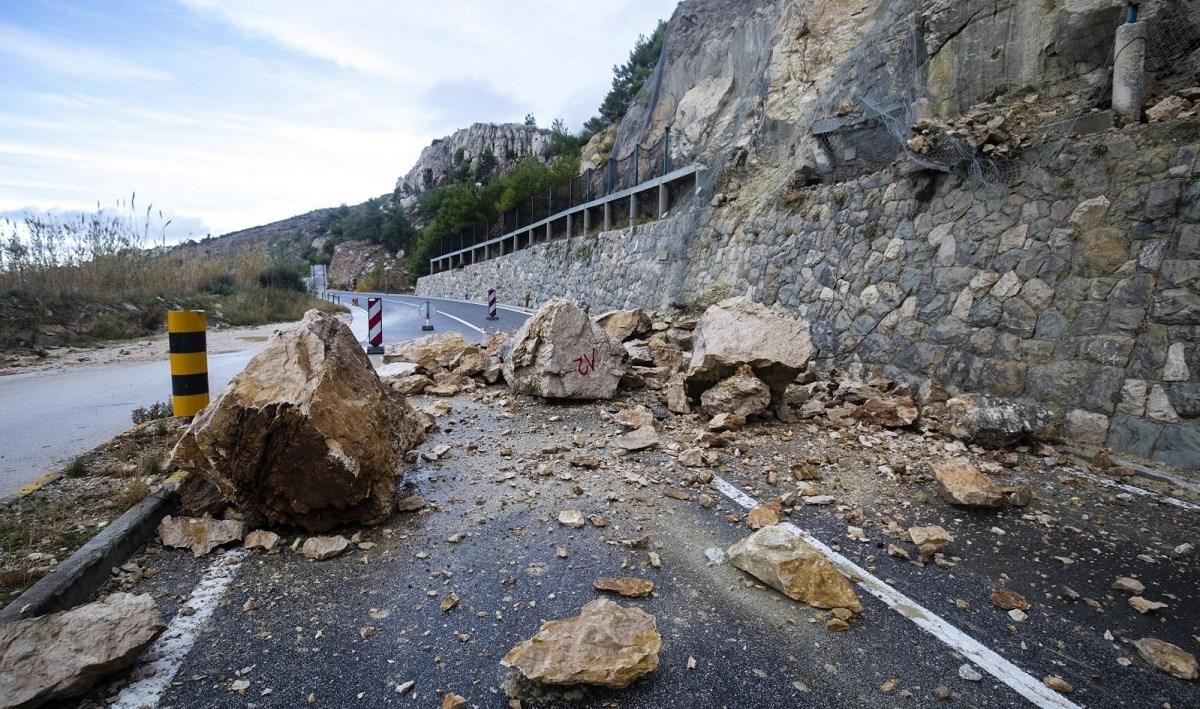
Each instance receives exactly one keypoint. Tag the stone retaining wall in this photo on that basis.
(1078, 287)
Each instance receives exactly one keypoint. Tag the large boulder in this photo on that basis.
(624, 324)
(306, 434)
(782, 559)
(739, 331)
(559, 353)
(960, 483)
(63, 654)
(431, 353)
(993, 422)
(606, 645)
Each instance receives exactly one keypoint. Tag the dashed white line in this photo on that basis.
(173, 646)
(982, 656)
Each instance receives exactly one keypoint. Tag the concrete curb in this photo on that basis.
(76, 579)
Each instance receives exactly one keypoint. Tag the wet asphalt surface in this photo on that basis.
(752, 646)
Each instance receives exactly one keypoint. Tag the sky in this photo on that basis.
(226, 114)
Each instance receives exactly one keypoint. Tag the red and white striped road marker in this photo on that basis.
(375, 325)
(492, 304)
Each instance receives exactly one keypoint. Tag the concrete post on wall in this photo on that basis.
(607, 216)
(548, 236)
(587, 221)
(632, 208)
(1129, 75)
(662, 200)
(568, 226)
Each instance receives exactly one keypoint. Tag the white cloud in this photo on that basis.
(71, 58)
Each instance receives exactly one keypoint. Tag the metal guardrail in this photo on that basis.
(644, 168)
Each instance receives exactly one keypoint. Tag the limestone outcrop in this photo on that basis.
(306, 434)
(476, 147)
(559, 353)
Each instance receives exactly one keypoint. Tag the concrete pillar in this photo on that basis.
(662, 200)
(632, 208)
(607, 216)
(1129, 75)
(587, 220)
(568, 226)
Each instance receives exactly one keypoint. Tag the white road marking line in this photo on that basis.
(982, 656)
(402, 302)
(1183, 504)
(464, 322)
(173, 646)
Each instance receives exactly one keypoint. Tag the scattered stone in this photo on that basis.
(738, 331)
(1167, 109)
(691, 457)
(929, 539)
(634, 418)
(62, 655)
(1018, 615)
(836, 625)
(961, 484)
(742, 394)
(676, 395)
(306, 434)
(1143, 605)
(805, 471)
(638, 439)
(1128, 585)
(261, 539)
(764, 515)
(560, 354)
(889, 412)
(431, 353)
(726, 422)
(785, 562)
(454, 701)
(627, 586)
(322, 548)
(605, 645)
(571, 518)
(1008, 600)
(598, 520)
(410, 501)
(969, 673)
(199, 535)
(404, 687)
(1168, 658)
(449, 603)
(1058, 684)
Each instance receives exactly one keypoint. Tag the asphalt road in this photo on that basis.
(403, 316)
(48, 417)
(348, 631)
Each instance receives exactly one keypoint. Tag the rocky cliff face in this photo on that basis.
(508, 144)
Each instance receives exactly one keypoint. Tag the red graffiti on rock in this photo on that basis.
(584, 364)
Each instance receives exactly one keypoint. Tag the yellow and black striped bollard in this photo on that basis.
(189, 361)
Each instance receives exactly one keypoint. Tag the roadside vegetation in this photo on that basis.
(109, 276)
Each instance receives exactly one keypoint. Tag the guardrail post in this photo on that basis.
(666, 156)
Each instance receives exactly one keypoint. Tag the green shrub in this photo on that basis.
(220, 284)
(153, 412)
(281, 277)
(78, 467)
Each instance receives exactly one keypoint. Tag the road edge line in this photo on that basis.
(984, 657)
(464, 322)
(175, 643)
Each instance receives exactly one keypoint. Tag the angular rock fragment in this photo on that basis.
(992, 422)
(431, 353)
(784, 561)
(961, 484)
(1145, 605)
(635, 417)
(606, 645)
(764, 515)
(410, 385)
(201, 535)
(742, 394)
(929, 539)
(676, 395)
(571, 518)
(738, 331)
(624, 324)
(1009, 600)
(322, 548)
(62, 655)
(889, 412)
(627, 586)
(726, 422)
(560, 354)
(454, 701)
(261, 539)
(1128, 585)
(306, 434)
(638, 439)
(1168, 658)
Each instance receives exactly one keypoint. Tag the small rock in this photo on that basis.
(969, 673)
(635, 418)
(638, 439)
(764, 515)
(201, 535)
(961, 484)
(454, 701)
(929, 539)
(261, 539)
(1128, 585)
(1008, 600)
(627, 586)
(1142, 605)
(726, 422)
(1168, 658)
(784, 561)
(322, 548)
(571, 518)
(1058, 684)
